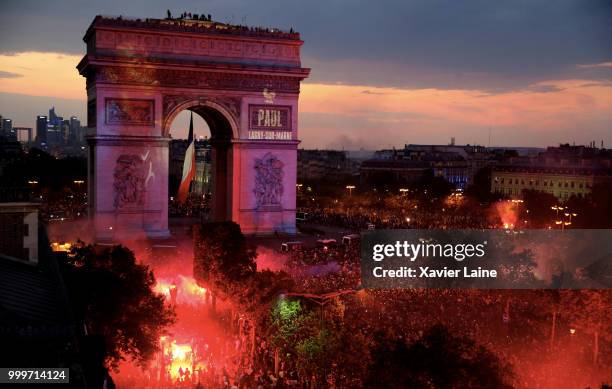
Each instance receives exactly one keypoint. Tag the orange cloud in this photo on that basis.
(596, 65)
(42, 74)
(544, 105)
(558, 108)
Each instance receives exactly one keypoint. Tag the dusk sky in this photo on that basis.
(383, 74)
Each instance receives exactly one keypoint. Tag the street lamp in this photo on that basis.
(563, 222)
(350, 188)
(404, 191)
(557, 209)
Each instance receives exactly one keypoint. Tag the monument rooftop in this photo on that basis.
(191, 43)
(192, 25)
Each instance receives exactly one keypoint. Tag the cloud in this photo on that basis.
(369, 92)
(445, 44)
(595, 65)
(42, 74)
(542, 114)
(4, 74)
(543, 88)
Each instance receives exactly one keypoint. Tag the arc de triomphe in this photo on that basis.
(244, 82)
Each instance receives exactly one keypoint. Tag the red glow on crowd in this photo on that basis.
(181, 290)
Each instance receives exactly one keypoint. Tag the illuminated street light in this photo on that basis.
(32, 182)
(557, 208)
(350, 188)
(78, 182)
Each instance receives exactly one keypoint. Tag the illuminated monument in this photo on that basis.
(244, 82)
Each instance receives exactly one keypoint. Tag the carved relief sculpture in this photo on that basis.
(197, 79)
(130, 112)
(268, 181)
(129, 181)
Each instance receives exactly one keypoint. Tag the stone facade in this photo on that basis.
(141, 74)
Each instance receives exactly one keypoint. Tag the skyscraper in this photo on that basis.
(53, 118)
(74, 131)
(6, 128)
(41, 129)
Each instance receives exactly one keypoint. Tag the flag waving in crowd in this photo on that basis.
(189, 166)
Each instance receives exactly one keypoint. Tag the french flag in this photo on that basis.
(189, 166)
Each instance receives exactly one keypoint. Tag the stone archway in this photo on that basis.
(244, 83)
(221, 118)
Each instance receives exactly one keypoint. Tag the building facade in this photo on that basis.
(563, 171)
(318, 164)
(19, 231)
(457, 164)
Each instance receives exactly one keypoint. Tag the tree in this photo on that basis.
(536, 208)
(223, 261)
(113, 296)
(436, 186)
(480, 189)
(260, 291)
(589, 312)
(439, 359)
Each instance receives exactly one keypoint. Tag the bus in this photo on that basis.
(351, 239)
(291, 246)
(327, 243)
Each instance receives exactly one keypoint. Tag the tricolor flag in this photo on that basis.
(189, 166)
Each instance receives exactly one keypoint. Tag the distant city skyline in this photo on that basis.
(384, 74)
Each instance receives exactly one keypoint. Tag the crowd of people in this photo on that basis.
(512, 324)
(68, 204)
(195, 205)
(412, 216)
(324, 269)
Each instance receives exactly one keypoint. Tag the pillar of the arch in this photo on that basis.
(129, 187)
(220, 209)
(254, 161)
(128, 164)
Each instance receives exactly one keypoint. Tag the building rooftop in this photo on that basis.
(28, 294)
(193, 24)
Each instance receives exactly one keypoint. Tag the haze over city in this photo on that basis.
(527, 74)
